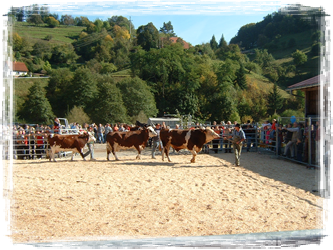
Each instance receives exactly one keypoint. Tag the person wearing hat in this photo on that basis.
(90, 145)
(238, 137)
(319, 139)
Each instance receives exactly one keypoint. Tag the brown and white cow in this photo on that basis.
(126, 140)
(74, 143)
(191, 139)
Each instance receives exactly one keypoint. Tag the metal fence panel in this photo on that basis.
(317, 239)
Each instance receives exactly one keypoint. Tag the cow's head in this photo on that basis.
(151, 131)
(211, 135)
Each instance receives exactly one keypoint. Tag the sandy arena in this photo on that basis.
(87, 200)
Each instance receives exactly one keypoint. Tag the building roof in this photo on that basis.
(20, 67)
(323, 79)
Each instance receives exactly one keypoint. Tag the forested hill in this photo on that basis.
(108, 71)
(267, 32)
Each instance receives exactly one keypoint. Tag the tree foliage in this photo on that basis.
(142, 100)
(37, 109)
(108, 105)
(274, 100)
(147, 36)
(299, 58)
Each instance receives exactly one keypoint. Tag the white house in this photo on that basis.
(15, 69)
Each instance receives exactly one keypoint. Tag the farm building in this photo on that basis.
(19, 69)
(318, 94)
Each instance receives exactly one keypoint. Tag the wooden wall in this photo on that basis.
(319, 102)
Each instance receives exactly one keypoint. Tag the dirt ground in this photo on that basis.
(93, 200)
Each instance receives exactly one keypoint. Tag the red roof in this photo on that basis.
(323, 79)
(20, 66)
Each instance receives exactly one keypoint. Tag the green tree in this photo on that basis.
(213, 43)
(56, 91)
(317, 35)
(21, 11)
(108, 106)
(223, 44)
(317, 48)
(241, 78)
(299, 58)
(63, 54)
(274, 100)
(142, 100)
(35, 19)
(167, 29)
(17, 42)
(259, 107)
(77, 114)
(52, 22)
(83, 87)
(36, 109)
(67, 20)
(147, 36)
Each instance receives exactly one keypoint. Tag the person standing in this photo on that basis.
(108, 129)
(156, 140)
(90, 145)
(291, 144)
(250, 134)
(320, 137)
(227, 132)
(215, 142)
(56, 125)
(238, 137)
(100, 133)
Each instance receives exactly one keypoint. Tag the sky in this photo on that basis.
(195, 21)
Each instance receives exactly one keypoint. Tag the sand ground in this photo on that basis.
(81, 200)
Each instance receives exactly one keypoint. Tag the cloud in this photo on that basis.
(37, 1)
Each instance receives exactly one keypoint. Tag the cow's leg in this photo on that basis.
(80, 150)
(138, 148)
(163, 154)
(167, 148)
(114, 154)
(194, 153)
(108, 150)
(52, 153)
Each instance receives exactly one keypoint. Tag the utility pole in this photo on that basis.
(130, 29)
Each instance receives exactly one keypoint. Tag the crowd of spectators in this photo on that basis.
(291, 140)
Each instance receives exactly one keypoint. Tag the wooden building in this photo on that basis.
(311, 89)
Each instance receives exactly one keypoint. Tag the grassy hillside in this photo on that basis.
(21, 88)
(303, 43)
(60, 35)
